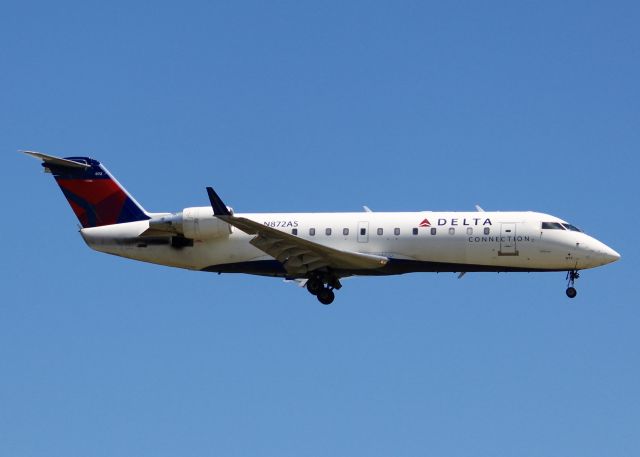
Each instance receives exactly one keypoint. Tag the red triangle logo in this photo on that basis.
(425, 223)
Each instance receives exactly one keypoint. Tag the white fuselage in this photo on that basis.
(414, 241)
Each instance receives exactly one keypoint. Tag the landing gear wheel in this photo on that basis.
(326, 296)
(314, 286)
(571, 277)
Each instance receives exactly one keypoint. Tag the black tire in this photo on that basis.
(314, 286)
(326, 296)
(571, 292)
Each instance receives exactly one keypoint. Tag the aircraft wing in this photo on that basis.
(299, 256)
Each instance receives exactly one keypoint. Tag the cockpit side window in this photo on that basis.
(573, 228)
(552, 226)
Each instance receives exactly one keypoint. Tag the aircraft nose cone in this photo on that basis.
(603, 253)
(595, 253)
(609, 255)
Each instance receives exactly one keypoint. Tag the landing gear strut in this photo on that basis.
(571, 278)
(322, 287)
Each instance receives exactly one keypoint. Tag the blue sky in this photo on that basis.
(307, 106)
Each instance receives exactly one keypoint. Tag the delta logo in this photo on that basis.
(457, 221)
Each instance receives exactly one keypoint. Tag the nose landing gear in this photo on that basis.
(571, 278)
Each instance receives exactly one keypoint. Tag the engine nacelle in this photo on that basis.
(201, 224)
(195, 223)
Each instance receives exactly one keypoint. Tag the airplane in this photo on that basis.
(319, 249)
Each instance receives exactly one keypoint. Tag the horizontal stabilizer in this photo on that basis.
(57, 161)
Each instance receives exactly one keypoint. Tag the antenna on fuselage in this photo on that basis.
(480, 210)
(366, 209)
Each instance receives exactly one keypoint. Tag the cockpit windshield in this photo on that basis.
(552, 226)
(573, 228)
(559, 226)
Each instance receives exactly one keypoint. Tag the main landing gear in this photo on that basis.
(571, 278)
(322, 288)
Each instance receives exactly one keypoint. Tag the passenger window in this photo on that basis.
(433, 230)
(294, 232)
(312, 232)
(452, 231)
(380, 231)
(345, 231)
(469, 231)
(327, 232)
(363, 231)
(487, 230)
(415, 231)
(396, 231)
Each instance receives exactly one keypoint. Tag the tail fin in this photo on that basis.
(94, 194)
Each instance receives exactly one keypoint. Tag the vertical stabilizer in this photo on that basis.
(95, 196)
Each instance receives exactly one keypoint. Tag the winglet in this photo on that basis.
(219, 208)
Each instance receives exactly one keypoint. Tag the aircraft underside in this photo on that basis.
(393, 267)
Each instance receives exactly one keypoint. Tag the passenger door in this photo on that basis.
(508, 239)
